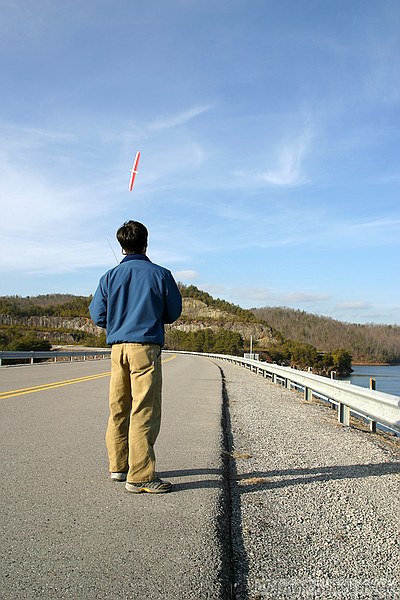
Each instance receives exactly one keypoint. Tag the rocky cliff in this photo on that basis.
(45, 322)
(196, 315)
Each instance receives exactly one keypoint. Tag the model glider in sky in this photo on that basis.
(134, 171)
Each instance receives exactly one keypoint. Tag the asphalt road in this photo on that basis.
(67, 531)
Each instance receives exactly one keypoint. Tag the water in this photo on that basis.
(387, 377)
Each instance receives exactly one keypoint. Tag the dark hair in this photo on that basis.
(132, 236)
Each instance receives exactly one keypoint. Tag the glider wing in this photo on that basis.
(134, 171)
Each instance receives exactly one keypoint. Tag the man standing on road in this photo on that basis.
(133, 301)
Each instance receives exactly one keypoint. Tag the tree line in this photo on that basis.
(301, 355)
(222, 341)
(17, 338)
(51, 305)
(367, 343)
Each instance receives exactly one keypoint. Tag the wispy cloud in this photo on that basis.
(248, 295)
(303, 297)
(47, 223)
(368, 232)
(188, 275)
(53, 207)
(288, 171)
(380, 223)
(28, 145)
(360, 311)
(352, 305)
(288, 164)
(178, 119)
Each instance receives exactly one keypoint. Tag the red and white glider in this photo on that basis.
(134, 171)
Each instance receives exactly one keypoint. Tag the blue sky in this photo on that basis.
(269, 139)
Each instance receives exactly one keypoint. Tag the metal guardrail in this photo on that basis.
(377, 407)
(374, 406)
(54, 355)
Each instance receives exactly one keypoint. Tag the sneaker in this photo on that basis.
(118, 476)
(157, 486)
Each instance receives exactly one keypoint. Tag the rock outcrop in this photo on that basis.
(46, 322)
(196, 315)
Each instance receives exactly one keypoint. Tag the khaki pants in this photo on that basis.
(135, 410)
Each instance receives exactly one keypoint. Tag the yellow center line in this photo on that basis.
(49, 386)
(168, 359)
(56, 384)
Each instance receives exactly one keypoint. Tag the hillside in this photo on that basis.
(59, 305)
(367, 343)
(201, 311)
(208, 324)
(65, 319)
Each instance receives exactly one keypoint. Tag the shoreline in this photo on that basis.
(374, 364)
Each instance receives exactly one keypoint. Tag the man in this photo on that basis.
(133, 301)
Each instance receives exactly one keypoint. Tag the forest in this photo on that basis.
(51, 305)
(300, 339)
(222, 341)
(367, 343)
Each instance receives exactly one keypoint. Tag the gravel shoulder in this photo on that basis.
(315, 506)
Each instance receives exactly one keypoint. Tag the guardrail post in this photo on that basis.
(32, 355)
(308, 394)
(343, 414)
(372, 423)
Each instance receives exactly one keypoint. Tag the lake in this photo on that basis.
(387, 377)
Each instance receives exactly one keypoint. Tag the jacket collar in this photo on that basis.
(135, 257)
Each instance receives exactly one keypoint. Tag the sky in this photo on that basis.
(269, 133)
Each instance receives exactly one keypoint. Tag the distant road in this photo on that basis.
(67, 530)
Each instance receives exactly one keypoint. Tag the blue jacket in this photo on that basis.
(134, 300)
